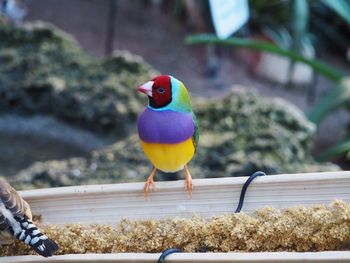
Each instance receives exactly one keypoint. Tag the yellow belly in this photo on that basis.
(169, 157)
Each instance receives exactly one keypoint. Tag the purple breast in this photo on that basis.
(165, 126)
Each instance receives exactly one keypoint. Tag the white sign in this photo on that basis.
(228, 16)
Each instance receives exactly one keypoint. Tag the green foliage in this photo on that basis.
(289, 28)
(305, 10)
(294, 17)
(341, 149)
(335, 97)
(260, 12)
(318, 66)
(300, 23)
(340, 7)
(332, 100)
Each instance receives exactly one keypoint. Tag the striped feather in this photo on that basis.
(33, 237)
(16, 217)
(13, 201)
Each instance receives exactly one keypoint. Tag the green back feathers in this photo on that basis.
(196, 131)
(182, 98)
(182, 103)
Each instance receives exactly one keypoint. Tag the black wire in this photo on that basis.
(244, 189)
(170, 251)
(166, 253)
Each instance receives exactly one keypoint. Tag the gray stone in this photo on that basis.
(44, 71)
(240, 134)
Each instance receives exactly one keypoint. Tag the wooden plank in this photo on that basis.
(273, 257)
(109, 203)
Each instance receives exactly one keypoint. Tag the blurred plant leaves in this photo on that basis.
(343, 148)
(318, 66)
(300, 22)
(334, 99)
(279, 35)
(341, 7)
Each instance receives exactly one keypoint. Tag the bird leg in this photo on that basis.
(188, 181)
(149, 182)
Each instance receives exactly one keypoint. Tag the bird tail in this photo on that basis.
(33, 237)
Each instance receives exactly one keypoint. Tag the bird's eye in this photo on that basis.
(161, 90)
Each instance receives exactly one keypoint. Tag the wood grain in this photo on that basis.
(107, 204)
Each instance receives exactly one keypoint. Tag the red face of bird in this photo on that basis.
(158, 90)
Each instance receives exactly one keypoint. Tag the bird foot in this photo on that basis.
(149, 182)
(189, 184)
(148, 185)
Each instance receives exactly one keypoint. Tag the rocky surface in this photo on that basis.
(245, 132)
(43, 71)
(28, 139)
(239, 135)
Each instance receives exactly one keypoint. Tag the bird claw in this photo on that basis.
(188, 181)
(149, 182)
(148, 185)
(188, 185)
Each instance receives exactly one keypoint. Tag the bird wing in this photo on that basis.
(27, 232)
(13, 201)
(195, 137)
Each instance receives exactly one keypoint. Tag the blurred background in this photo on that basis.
(272, 95)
